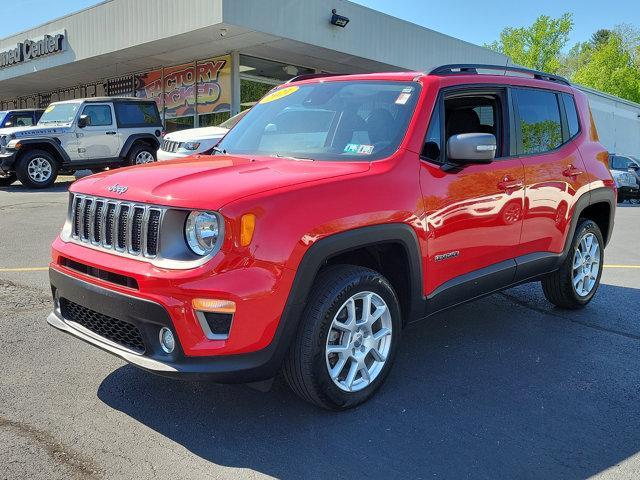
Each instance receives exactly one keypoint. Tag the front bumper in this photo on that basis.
(625, 193)
(7, 160)
(149, 317)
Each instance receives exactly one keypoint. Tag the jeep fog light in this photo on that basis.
(201, 231)
(167, 340)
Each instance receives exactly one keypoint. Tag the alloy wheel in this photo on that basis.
(358, 341)
(39, 169)
(586, 265)
(144, 157)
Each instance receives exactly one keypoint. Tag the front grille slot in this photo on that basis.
(105, 275)
(126, 227)
(114, 330)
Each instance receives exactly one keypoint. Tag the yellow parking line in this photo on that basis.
(28, 269)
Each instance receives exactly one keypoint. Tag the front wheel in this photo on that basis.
(140, 154)
(576, 282)
(37, 169)
(347, 338)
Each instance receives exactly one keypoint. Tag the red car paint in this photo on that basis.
(485, 213)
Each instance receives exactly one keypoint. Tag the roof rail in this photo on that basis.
(472, 68)
(309, 76)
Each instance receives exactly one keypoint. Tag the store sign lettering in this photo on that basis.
(31, 50)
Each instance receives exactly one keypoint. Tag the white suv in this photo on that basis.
(92, 133)
(195, 141)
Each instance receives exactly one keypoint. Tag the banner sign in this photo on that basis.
(179, 91)
(32, 49)
(214, 85)
(149, 85)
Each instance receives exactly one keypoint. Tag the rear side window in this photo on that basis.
(572, 114)
(137, 114)
(539, 118)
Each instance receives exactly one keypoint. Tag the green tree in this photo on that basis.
(611, 67)
(600, 37)
(538, 46)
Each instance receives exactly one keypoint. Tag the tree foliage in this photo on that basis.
(609, 61)
(538, 46)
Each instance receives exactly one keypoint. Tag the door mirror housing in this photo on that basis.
(84, 121)
(8, 124)
(472, 148)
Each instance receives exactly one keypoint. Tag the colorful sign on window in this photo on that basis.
(213, 78)
(149, 85)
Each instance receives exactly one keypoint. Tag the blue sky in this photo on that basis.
(464, 19)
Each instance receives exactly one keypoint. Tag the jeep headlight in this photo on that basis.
(191, 145)
(202, 231)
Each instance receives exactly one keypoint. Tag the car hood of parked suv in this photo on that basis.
(195, 134)
(209, 182)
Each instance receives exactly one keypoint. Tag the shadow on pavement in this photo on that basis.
(61, 186)
(506, 387)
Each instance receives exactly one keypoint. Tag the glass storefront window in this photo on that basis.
(178, 123)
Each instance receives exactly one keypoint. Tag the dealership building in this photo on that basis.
(204, 60)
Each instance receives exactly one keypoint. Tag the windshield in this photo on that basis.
(59, 113)
(2, 115)
(326, 121)
(229, 124)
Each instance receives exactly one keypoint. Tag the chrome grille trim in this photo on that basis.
(84, 219)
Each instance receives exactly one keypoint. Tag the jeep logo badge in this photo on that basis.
(119, 189)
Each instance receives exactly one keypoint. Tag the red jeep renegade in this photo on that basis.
(338, 211)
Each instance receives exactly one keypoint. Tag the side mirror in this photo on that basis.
(472, 148)
(84, 121)
(8, 124)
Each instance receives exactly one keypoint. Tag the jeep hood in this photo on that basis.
(209, 182)
(195, 134)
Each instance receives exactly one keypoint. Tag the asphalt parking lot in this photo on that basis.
(506, 387)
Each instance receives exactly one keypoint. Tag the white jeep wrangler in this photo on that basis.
(92, 133)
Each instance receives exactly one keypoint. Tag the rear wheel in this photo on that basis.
(347, 338)
(37, 169)
(7, 179)
(140, 154)
(577, 280)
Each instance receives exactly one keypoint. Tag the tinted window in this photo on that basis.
(620, 163)
(21, 120)
(100, 115)
(137, 114)
(540, 126)
(572, 114)
(433, 140)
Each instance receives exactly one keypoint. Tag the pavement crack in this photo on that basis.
(572, 320)
(85, 468)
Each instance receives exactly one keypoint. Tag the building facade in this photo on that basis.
(204, 60)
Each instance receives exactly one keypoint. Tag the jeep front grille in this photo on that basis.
(125, 227)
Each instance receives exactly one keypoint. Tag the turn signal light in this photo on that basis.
(247, 226)
(213, 305)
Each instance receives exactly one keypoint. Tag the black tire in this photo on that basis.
(7, 179)
(138, 149)
(305, 367)
(24, 163)
(558, 287)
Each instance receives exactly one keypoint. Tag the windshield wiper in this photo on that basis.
(291, 157)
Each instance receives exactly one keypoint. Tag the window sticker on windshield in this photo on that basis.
(358, 149)
(50, 108)
(278, 94)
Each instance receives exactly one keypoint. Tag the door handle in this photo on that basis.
(508, 184)
(111, 133)
(572, 171)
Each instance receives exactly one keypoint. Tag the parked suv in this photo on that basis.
(626, 169)
(92, 133)
(194, 141)
(338, 211)
(19, 118)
